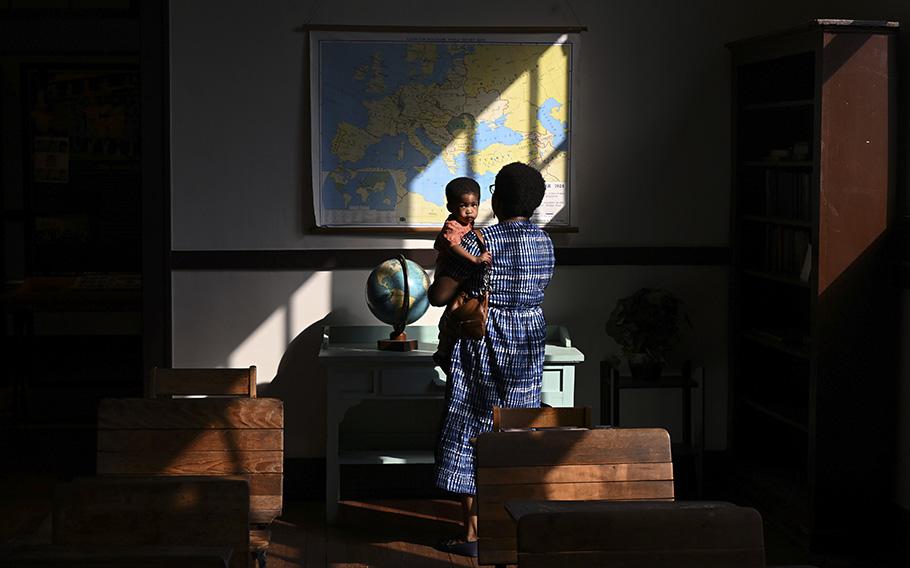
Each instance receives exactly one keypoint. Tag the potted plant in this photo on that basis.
(646, 326)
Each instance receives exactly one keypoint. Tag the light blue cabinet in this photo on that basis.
(356, 372)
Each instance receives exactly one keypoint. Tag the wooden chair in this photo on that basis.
(230, 433)
(168, 383)
(544, 417)
(696, 534)
(625, 464)
(142, 521)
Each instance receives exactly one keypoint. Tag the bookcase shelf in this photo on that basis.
(778, 163)
(782, 278)
(783, 415)
(813, 170)
(782, 221)
(780, 105)
(774, 342)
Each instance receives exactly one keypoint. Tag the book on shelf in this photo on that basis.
(793, 337)
(787, 194)
(785, 250)
(806, 269)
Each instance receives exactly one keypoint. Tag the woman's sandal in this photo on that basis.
(459, 547)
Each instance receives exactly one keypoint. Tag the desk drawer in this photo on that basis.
(352, 381)
(552, 380)
(406, 381)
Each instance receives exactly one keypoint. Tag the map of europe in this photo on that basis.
(399, 119)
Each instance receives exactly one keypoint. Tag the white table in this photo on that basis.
(357, 371)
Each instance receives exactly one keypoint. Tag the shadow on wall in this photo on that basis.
(273, 320)
(300, 383)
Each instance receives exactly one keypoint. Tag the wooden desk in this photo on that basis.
(113, 556)
(603, 463)
(357, 372)
(639, 534)
(611, 382)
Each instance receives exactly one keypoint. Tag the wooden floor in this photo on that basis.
(373, 533)
(376, 533)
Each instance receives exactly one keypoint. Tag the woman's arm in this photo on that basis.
(442, 290)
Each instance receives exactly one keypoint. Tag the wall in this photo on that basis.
(652, 148)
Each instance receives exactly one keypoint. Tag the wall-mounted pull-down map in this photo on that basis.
(396, 116)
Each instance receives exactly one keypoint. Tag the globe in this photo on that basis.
(386, 292)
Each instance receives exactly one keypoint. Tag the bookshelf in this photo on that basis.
(813, 367)
(72, 295)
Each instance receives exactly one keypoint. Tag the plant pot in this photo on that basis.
(645, 368)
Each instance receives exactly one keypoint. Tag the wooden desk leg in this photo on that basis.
(687, 416)
(687, 404)
(614, 390)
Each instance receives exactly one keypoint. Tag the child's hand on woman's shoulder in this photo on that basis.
(485, 258)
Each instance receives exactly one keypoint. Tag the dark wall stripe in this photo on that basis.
(643, 256)
(310, 259)
(446, 29)
(324, 259)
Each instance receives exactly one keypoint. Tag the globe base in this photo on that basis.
(397, 342)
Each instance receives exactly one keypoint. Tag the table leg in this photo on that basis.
(336, 408)
(332, 468)
(614, 390)
(687, 416)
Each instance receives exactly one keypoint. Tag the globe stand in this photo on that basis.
(397, 342)
(398, 339)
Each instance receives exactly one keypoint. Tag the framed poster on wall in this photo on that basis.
(397, 115)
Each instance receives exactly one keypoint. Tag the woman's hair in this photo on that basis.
(519, 190)
(461, 186)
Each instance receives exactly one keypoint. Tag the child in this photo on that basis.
(462, 201)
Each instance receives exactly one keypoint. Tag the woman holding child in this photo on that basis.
(504, 368)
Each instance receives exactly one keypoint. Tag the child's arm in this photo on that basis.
(482, 258)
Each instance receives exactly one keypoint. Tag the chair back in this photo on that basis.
(544, 417)
(232, 437)
(166, 383)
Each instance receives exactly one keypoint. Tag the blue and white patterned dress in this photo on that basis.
(505, 368)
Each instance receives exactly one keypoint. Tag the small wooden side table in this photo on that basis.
(612, 382)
